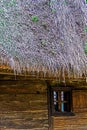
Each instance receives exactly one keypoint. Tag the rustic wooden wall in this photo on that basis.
(23, 105)
(77, 122)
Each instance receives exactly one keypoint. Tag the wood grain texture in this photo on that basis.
(77, 122)
(23, 105)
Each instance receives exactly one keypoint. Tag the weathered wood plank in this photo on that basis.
(23, 105)
(77, 122)
(23, 123)
(79, 100)
(23, 87)
(71, 123)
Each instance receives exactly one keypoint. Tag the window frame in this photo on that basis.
(60, 113)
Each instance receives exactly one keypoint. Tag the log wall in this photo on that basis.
(77, 122)
(23, 105)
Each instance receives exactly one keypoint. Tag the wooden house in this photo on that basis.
(28, 102)
(43, 65)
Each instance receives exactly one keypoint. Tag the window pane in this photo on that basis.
(67, 101)
(66, 107)
(55, 96)
(56, 106)
(66, 95)
(62, 103)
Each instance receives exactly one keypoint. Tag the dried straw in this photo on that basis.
(44, 35)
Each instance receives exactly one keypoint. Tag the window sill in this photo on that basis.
(63, 114)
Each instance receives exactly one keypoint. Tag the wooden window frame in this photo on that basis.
(51, 99)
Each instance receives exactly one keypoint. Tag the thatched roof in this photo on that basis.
(44, 35)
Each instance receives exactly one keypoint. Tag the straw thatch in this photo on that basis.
(44, 35)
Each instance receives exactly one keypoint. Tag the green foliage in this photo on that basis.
(86, 1)
(85, 49)
(85, 29)
(35, 18)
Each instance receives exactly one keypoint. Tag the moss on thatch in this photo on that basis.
(55, 43)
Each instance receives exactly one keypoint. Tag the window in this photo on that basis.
(61, 101)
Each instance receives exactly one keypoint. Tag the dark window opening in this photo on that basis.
(61, 101)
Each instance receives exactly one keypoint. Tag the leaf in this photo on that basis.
(85, 49)
(35, 18)
(85, 29)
